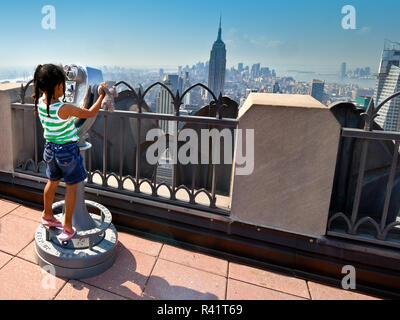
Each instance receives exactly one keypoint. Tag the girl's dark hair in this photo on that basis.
(45, 79)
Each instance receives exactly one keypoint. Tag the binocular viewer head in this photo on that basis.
(82, 90)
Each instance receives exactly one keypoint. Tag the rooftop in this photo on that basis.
(146, 268)
(280, 223)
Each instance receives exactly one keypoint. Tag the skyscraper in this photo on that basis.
(180, 85)
(186, 85)
(388, 83)
(255, 70)
(317, 89)
(265, 73)
(186, 82)
(276, 88)
(174, 80)
(217, 66)
(343, 70)
(164, 104)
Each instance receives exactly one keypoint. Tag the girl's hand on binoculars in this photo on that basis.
(101, 90)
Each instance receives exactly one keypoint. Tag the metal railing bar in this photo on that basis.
(139, 128)
(175, 160)
(194, 171)
(35, 141)
(121, 137)
(105, 150)
(361, 173)
(372, 135)
(389, 187)
(155, 181)
(213, 185)
(213, 174)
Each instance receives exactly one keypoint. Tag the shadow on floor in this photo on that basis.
(120, 277)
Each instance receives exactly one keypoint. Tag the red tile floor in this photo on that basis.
(144, 269)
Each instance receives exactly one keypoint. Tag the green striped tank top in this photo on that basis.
(55, 129)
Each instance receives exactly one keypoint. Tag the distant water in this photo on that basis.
(13, 80)
(330, 78)
(327, 74)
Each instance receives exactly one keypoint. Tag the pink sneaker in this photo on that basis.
(65, 235)
(47, 223)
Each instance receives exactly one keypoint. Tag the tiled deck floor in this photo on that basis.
(144, 269)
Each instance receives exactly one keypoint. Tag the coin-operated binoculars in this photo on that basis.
(93, 249)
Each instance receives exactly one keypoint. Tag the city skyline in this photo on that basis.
(291, 34)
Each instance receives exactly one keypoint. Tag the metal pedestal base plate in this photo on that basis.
(89, 253)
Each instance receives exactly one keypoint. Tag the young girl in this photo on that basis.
(61, 153)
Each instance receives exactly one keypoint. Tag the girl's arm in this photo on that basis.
(68, 110)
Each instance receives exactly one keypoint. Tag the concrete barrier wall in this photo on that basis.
(6, 146)
(16, 129)
(296, 144)
(23, 137)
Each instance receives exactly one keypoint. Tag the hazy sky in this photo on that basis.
(178, 32)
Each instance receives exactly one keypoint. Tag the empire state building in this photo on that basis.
(216, 73)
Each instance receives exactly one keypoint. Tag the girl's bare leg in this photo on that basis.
(70, 198)
(48, 197)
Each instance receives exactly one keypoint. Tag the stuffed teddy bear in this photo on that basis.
(108, 101)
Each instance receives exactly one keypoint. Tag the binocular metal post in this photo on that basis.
(81, 218)
(91, 251)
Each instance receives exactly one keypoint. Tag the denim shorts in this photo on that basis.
(64, 161)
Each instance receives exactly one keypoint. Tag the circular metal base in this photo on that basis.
(76, 263)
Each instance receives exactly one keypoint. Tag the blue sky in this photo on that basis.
(289, 33)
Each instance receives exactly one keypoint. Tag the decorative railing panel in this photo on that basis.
(378, 228)
(134, 183)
